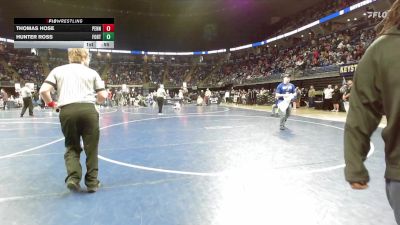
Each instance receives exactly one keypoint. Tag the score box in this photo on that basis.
(104, 44)
(108, 27)
(89, 44)
(108, 36)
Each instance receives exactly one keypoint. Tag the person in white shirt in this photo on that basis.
(78, 88)
(180, 96)
(199, 100)
(328, 98)
(161, 95)
(207, 96)
(26, 94)
(226, 96)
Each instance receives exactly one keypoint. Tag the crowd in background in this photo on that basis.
(311, 14)
(321, 51)
(125, 74)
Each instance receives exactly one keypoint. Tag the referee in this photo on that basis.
(76, 86)
(161, 95)
(26, 94)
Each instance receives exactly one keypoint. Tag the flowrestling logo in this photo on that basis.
(380, 15)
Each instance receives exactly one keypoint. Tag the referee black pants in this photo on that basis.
(160, 102)
(27, 104)
(81, 120)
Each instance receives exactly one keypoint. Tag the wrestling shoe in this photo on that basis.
(93, 189)
(73, 186)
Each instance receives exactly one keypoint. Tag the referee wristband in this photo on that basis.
(52, 104)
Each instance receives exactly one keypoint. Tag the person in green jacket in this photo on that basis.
(376, 92)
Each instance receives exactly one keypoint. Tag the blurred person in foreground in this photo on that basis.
(375, 93)
(78, 88)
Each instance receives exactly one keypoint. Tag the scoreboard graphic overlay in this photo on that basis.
(64, 33)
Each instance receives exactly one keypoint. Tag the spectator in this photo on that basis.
(311, 97)
(296, 103)
(346, 95)
(336, 98)
(328, 97)
(4, 97)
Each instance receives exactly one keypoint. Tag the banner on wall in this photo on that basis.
(348, 69)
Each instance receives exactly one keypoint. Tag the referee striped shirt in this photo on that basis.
(26, 92)
(75, 83)
(161, 93)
